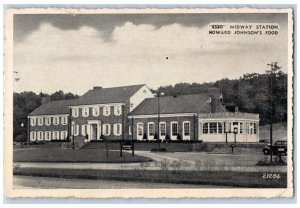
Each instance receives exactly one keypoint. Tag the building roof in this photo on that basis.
(195, 103)
(100, 95)
(54, 107)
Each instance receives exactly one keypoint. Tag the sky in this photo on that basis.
(73, 53)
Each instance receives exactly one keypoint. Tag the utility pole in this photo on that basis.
(274, 67)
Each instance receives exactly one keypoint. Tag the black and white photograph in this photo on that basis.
(148, 103)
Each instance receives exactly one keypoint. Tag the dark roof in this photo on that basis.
(108, 95)
(54, 107)
(195, 103)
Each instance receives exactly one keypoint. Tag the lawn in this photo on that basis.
(220, 178)
(76, 155)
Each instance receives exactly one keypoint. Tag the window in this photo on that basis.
(33, 121)
(55, 135)
(174, 128)
(162, 129)
(32, 136)
(47, 135)
(205, 128)
(220, 128)
(241, 127)
(75, 112)
(212, 128)
(151, 130)
(118, 110)
(95, 111)
(250, 128)
(76, 130)
(63, 135)
(254, 128)
(186, 128)
(117, 129)
(140, 130)
(48, 121)
(106, 110)
(40, 121)
(56, 120)
(129, 130)
(106, 129)
(40, 136)
(85, 112)
(64, 120)
(84, 129)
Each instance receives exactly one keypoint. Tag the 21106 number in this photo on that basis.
(271, 175)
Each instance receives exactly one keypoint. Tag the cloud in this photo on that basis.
(51, 59)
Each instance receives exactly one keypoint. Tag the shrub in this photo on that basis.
(168, 137)
(164, 164)
(176, 165)
(198, 165)
(158, 150)
(179, 137)
(145, 137)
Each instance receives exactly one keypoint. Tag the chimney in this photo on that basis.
(236, 109)
(97, 88)
(214, 94)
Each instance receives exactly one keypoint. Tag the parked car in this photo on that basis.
(279, 147)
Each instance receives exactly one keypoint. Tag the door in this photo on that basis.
(93, 132)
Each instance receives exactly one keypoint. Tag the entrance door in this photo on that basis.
(93, 131)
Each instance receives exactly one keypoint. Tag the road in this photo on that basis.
(29, 182)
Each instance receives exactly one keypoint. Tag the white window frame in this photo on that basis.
(40, 121)
(76, 130)
(160, 136)
(186, 137)
(48, 121)
(57, 119)
(85, 111)
(171, 130)
(95, 111)
(32, 136)
(116, 129)
(118, 110)
(106, 110)
(33, 121)
(75, 112)
(53, 135)
(106, 129)
(148, 132)
(64, 120)
(140, 137)
(47, 135)
(40, 136)
(63, 135)
(84, 128)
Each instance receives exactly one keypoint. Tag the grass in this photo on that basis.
(221, 178)
(76, 155)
